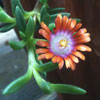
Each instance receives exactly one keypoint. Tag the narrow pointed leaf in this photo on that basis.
(55, 10)
(15, 3)
(47, 19)
(20, 21)
(7, 26)
(18, 83)
(17, 45)
(30, 27)
(43, 12)
(68, 89)
(22, 35)
(47, 67)
(4, 17)
(44, 16)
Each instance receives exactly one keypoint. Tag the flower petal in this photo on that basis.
(77, 27)
(42, 56)
(78, 54)
(72, 25)
(83, 48)
(67, 63)
(42, 43)
(54, 59)
(75, 59)
(45, 27)
(49, 55)
(41, 50)
(81, 31)
(64, 22)
(58, 22)
(72, 64)
(83, 39)
(68, 24)
(61, 64)
(82, 35)
(44, 34)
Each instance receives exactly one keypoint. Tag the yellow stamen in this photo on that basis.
(63, 43)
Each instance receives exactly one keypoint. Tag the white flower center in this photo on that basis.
(61, 44)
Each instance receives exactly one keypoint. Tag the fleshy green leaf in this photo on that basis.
(43, 12)
(5, 18)
(47, 67)
(22, 35)
(46, 19)
(18, 83)
(20, 21)
(44, 85)
(17, 45)
(68, 89)
(55, 10)
(44, 16)
(51, 26)
(30, 28)
(15, 3)
(55, 15)
(7, 26)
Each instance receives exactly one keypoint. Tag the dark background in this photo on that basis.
(87, 74)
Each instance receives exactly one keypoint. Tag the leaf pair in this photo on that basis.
(59, 88)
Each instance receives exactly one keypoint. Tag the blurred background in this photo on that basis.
(87, 74)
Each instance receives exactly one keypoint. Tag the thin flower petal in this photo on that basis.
(59, 59)
(82, 35)
(75, 59)
(44, 34)
(49, 55)
(61, 64)
(42, 56)
(67, 63)
(45, 27)
(64, 22)
(78, 54)
(54, 59)
(77, 27)
(58, 22)
(68, 24)
(72, 25)
(41, 50)
(83, 48)
(72, 64)
(83, 40)
(81, 31)
(42, 43)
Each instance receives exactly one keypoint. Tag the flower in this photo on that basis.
(64, 44)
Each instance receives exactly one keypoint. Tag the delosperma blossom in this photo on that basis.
(64, 44)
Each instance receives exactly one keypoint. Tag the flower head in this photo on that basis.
(64, 44)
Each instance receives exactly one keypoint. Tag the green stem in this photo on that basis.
(31, 56)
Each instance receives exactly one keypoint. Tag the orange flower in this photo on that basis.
(65, 43)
